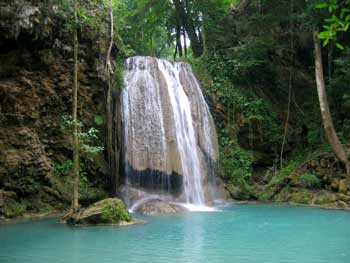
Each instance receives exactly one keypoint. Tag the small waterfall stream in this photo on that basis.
(169, 138)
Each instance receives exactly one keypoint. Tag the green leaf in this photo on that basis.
(340, 46)
(324, 35)
(325, 43)
(322, 5)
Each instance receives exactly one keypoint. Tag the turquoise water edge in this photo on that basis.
(234, 234)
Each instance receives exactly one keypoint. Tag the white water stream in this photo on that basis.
(168, 133)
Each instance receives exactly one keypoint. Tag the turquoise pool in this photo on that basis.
(235, 234)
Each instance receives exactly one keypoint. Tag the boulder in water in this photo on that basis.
(109, 211)
(157, 207)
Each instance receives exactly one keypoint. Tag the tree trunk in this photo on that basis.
(290, 82)
(190, 28)
(109, 124)
(331, 134)
(178, 37)
(185, 41)
(109, 111)
(75, 197)
(117, 137)
(175, 52)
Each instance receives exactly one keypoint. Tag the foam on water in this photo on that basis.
(198, 208)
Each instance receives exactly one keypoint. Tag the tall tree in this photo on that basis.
(178, 47)
(183, 11)
(331, 134)
(290, 82)
(75, 196)
(109, 109)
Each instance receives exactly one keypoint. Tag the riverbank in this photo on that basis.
(31, 217)
(41, 216)
(257, 202)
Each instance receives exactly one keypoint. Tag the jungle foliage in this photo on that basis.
(255, 62)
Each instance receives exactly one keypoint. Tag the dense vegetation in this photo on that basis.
(255, 61)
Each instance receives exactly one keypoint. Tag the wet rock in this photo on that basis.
(108, 211)
(240, 191)
(301, 196)
(9, 205)
(335, 184)
(25, 17)
(284, 195)
(342, 204)
(343, 186)
(324, 198)
(343, 197)
(159, 207)
(156, 160)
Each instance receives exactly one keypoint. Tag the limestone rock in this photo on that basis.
(168, 133)
(35, 85)
(301, 196)
(324, 198)
(343, 186)
(343, 197)
(342, 204)
(107, 211)
(335, 184)
(158, 207)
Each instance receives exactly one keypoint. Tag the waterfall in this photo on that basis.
(169, 138)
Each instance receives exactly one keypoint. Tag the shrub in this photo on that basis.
(310, 181)
(115, 213)
(14, 209)
(236, 163)
(286, 171)
(301, 197)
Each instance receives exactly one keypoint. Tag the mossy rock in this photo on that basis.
(343, 186)
(301, 196)
(284, 195)
(267, 193)
(239, 191)
(9, 205)
(325, 198)
(343, 197)
(111, 211)
(13, 209)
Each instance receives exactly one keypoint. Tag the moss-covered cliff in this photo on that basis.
(35, 94)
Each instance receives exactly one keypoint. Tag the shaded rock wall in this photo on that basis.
(35, 93)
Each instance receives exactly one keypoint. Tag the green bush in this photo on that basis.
(63, 168)
(301, 197)
(115, 213)
(310, 181)
(14, 209)
(286, 171)
(236, 163)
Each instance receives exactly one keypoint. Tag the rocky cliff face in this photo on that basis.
(35, 93)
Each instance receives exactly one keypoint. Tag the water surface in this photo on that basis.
(236, 234)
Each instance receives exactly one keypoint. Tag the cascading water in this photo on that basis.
(169, 138)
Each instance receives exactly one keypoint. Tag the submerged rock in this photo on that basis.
(109, 211)
(158, 207)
